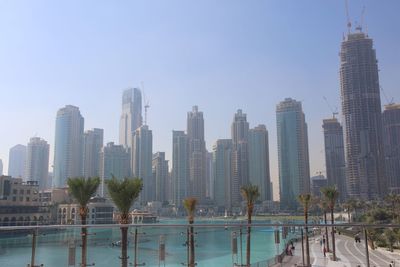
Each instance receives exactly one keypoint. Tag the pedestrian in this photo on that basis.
(320, 242)
(324, 252)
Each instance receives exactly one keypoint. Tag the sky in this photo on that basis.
(220, 55)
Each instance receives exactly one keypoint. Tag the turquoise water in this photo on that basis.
(213, 247)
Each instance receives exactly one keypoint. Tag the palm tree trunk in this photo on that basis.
(333, 236)
(348, 215)
(248, 238)
(84, 241)
(326, 232)
(191, 245)
(306, 235)
(124, 246)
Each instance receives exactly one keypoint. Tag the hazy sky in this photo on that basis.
(220, 55)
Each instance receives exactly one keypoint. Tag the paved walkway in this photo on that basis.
(348, 253)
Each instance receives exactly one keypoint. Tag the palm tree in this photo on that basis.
(324, 207)
(250, 193)
(331, 195)
(393, 200)
(82, 190)
(123, 194)
(305, 200)
(190, 206)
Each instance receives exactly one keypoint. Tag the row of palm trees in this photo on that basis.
(327, 204)
(123, 193)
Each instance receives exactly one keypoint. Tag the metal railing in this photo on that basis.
(36, 245)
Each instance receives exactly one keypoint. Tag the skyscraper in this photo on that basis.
(131, 117)
(160, 176)
(17, 161)
(37, 164)
(142, 157)
(293, 158)
(361, 108)
(222, 165)
(93, 143)
(114, 161)
(180, 167)
(334, 155)
(240, 155)
(1, 167)
(209, 175)
(68, 147)
(391, 141)
(197, 154)
(259, 161)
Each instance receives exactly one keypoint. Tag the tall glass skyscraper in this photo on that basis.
(37, 164)
(391, 141)
(131, 117)
(240, 155)
(68, 146)
(142, 157)
(197, 154)
(17, 161)
(293, 158)
(361, 109)
(334, 155)
(259, 161)
(180, 167)
(160, 176)
(114, 162)
(222, 160)
(93, 143)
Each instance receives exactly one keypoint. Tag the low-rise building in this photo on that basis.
(100, 211)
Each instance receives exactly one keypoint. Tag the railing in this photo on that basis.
(215, 244)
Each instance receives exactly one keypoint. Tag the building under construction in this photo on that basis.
(361, 108)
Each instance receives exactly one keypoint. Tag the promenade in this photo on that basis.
(349, 254)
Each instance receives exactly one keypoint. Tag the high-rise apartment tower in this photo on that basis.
(361, 109)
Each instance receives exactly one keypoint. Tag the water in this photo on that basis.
(213, 246)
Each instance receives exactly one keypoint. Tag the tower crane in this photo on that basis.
(146, 104)
(334, 111)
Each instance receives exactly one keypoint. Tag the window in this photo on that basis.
(28, 192)
(21, 191)
(21, 198)
(15, 191)
(14, 199)
(27, 198)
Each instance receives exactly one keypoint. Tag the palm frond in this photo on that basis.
(250, 193)
(124, 193)
(190, 205)
(82, 189)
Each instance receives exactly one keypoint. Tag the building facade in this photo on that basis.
(93, 143)
(160, 176)
(293, 158)
(259, 173)
(114, 162)
(361, 109)
(142, 156)
(37, 164)
(68, 146)
(180, 167)
(240, 156)
(197, 154)
(222, 165)
(391, 141)
(131, 117)
(334, 156)
(17, 161)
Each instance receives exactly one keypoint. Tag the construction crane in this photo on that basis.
(146, 104)
(389, 102)
(334, 111)
(348, 17)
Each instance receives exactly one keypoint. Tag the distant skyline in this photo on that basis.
(221, 56)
